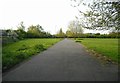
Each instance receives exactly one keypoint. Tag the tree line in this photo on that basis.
(34, 31)
(75, 30)
(100, 15)
(70, 34)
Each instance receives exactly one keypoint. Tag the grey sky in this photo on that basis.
(50, 14)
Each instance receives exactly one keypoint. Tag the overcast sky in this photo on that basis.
(50, 14)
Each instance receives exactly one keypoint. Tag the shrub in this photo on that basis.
(78, 41)
(8, 60)
(20, 56)
(23, 47)
(39, 47)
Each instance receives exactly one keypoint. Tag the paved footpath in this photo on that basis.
(64, 61)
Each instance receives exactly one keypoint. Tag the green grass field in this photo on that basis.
(106, 47)
(14, 53)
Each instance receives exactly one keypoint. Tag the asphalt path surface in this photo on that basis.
(64, 61)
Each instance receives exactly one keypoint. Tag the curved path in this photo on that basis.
(65, 61)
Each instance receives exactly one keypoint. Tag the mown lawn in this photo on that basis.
(106, 47)
(14, 53)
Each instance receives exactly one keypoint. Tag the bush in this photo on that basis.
(20, 56)
(8, 60)
(39, 47)
(78, 41)
(23, 47)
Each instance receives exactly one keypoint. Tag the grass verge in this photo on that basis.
(106, 47)
(14, 53)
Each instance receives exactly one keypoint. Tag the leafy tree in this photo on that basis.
(69, 33)
(48, 35)
(74, 29)
(60, 34)
(37, 32)
(114, 34)
(21, 31)
(33, 31)
(102, 15)
(21, 26)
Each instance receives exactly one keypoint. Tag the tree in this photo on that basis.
(33, 31)
(69, 34)
(21, 26)
(37, 32)
(74, 29)
(21, 31)
(60, 33)
(47, 35)
(105, 13)
(102, 15)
